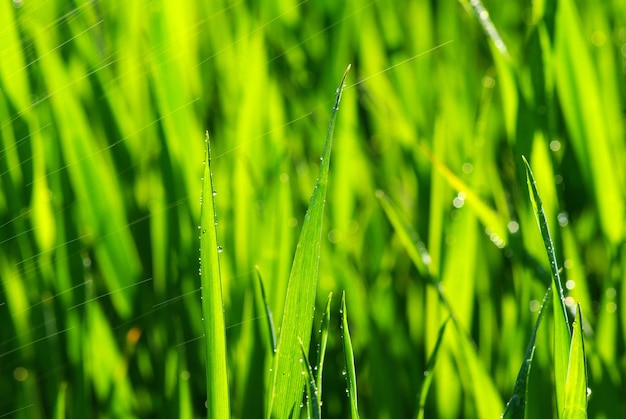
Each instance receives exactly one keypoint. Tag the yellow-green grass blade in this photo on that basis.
(586, 112)
(287, 380)
(516, 406)
(321, 347)
(59, 409)
(487, 400)
(415, 248)
(350, 365)
(489, 217)
(313, 402)
(212, 302)
(411, 241)
(268, 312)
(428, 374)
(575, 406)
(561, 325)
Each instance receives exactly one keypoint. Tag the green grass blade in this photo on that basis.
(212, 303)
(575, 406)
(349, 354)
(589, 113)
(516, 406)
(287, 380)
(428, 374)
(321, 348)
(488, 402)
(313, 400)
(490, 29)
(561, 325)
(268, 312)
(411, 241)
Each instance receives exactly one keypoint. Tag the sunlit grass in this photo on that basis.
(103, 106)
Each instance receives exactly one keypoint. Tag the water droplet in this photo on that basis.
(220, 249)
(214, 193)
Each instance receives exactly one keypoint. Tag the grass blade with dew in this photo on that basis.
(312, 394)
(561, 325)
(350, 372)
(516, 406)
(212, 302)
(428, 374)
(575, 406)
(287, 380)
(321, 347)
(490, 29)
(268, 311)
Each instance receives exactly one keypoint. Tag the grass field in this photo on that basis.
(428, 226)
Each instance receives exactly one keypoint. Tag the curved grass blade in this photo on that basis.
(349, 354)
(268, 311)
(575, 406)
(516, 406)
(287, 380)
(321, 347)
(212, 302)
(561, 325)
(411, 241)
(428, 374)
(313, 400)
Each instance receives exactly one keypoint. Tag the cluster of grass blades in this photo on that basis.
(570, 367)
(291, 361)
(101, 104)
(292, 371)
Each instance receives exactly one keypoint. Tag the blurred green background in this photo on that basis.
(103, 109)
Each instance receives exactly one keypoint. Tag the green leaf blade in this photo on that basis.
(562, 334)
(428, 374)
(268, 312)
(287, 380)
(516, 406)
(575, 406)
(350, 364)
(313, 400)
(218, 405)
(321, 352)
